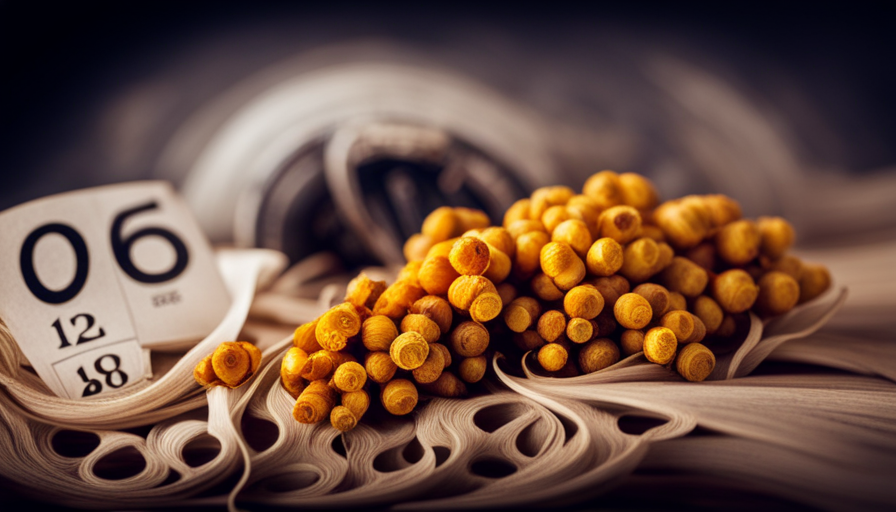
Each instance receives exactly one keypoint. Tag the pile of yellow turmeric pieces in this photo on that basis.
(579, 280)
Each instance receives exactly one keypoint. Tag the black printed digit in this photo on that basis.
(83, 338)
(123, 377)
(121, 247)
(93, 385)
(58, 325)
(82, 263)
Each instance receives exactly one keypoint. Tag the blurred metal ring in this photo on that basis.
(235, 171)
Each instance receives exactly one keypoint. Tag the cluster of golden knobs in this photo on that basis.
(579, 280)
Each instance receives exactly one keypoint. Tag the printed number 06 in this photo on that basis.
(121, 247)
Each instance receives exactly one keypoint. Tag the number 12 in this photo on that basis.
(82, 338)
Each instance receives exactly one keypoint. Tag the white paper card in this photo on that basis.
(92, 278)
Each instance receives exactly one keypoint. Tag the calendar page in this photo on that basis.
(93, 278)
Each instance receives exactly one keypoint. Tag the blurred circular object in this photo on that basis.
(351, 157)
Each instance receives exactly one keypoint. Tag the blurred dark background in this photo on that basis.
(65, 63)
